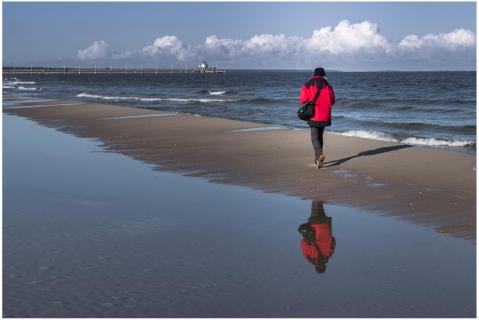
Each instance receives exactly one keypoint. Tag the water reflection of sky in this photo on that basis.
(89, 233)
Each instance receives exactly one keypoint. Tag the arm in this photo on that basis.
(304, 95)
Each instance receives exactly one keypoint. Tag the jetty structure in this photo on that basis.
(202, 68)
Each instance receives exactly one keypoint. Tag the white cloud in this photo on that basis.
(167, 45)
(258, 45)
(97, 50)
(225, 46)
(347, 38)
(452, 40)
(270, 43)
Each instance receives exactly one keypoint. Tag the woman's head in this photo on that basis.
(319, 72)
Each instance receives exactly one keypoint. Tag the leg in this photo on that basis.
(317, 144)
(320, 138)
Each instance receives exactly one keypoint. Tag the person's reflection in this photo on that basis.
(318, 242)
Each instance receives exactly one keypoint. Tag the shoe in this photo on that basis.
(320, 161)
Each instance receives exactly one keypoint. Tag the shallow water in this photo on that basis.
(94, 234)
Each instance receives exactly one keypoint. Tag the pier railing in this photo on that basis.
(90, 70)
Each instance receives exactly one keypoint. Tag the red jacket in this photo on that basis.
(326, 98)
(325, 242)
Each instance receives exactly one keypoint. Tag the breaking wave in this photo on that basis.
(375, 135)
(22, 82)
(144, 99)
(27, 88)
(422, 126)
(432, 142)
(247, 101)
(14, 82)
(214, 92)
(217, 93)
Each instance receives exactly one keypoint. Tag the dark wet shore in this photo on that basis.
(423, 185)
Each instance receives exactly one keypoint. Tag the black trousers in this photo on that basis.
(317, 140)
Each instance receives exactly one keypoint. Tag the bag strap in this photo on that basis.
(318, 91)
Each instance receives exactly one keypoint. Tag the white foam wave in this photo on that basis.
(96, 96)
(431, 142)
(23, 82)
(27, 88)
(143, 99)
(437, 142)
(216, 93)
(8, 87)
(375, 135)
(203, 100)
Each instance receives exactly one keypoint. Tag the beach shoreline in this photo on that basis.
(432, 187)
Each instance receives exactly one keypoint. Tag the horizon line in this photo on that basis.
(233, 69)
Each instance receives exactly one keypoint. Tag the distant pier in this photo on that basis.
(109, 70)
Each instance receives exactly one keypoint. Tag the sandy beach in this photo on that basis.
(427, 186)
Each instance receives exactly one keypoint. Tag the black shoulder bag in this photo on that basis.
(306, 111)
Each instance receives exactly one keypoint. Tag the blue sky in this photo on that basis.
(345, 36)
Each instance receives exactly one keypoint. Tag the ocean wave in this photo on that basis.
(250, 101)
(380, 102)
(144, 99)
(28, 88)
(22, 82)
(214, 92)
(432, 142)
(217, 93)
(421, 126)
(369, 134)
(96, 96)
(261, 101)
(8, 87)
(408, 108)
(427, 110)
(202, 100)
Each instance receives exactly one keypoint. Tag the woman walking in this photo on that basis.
(318, 90)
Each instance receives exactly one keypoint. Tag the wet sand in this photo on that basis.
(427, 186)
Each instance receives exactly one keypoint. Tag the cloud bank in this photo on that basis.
(452, 40)
(341, 45)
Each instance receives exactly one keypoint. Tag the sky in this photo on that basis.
(359, 36)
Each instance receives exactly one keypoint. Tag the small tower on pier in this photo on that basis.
(203, 67)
